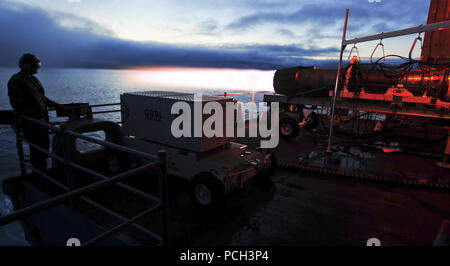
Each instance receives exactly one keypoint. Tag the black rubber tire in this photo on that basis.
(207, 183)
(116, 162)
(293, 128)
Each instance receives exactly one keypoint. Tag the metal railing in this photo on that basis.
(252, 112)
(71, 193)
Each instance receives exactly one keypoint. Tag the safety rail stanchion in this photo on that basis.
(330, 134)
(253, 105)
(65, 146)
(19, 144)
(163, 196)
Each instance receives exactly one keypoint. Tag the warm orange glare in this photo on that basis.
(296, 76)
(203, 78)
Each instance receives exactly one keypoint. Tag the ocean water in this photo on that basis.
(96, 86)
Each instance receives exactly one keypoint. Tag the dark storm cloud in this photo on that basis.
(361, 13)
(33, 30)
(285, 50)
(27, 29)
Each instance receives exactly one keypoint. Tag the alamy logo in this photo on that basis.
(234, 124)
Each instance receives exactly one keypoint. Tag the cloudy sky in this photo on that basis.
(259, 34)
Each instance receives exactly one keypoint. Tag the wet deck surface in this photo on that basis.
(293, 209)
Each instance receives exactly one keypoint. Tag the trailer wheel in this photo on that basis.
(117, 162)
(207, 191)
(288, 128)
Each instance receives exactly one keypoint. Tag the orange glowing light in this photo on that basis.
(414, 78)
(296, 76)
(388, 150)
(427, 78)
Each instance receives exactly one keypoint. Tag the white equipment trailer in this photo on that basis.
(213, 166)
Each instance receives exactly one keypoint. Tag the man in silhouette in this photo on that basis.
(27, 97)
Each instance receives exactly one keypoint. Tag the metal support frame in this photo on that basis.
(19, 144)
(64, 134)
(67, 158)
(343, 45)
(384, 35)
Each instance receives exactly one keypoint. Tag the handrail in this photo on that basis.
(110, 145)
(163, 202)
(94, 105)
(160, 162)
(240, 93)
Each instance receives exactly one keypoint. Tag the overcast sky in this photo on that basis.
(261, 34)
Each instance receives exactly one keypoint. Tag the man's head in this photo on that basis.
(29, 63)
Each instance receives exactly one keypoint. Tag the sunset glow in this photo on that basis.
(204, 78)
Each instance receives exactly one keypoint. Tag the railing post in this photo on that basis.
(19, 144)
(163, 196)
(65, 146)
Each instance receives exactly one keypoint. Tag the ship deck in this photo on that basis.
(295, 208)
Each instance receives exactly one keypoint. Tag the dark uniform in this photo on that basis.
(27, 97)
